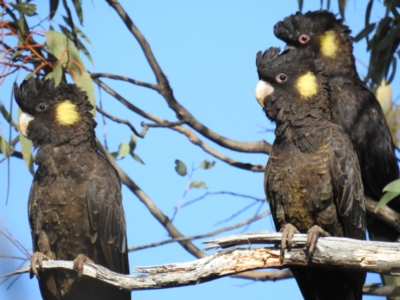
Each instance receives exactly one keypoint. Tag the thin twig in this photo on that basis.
(206, 194)
(124, 78)
(201, 236)
(120, 121)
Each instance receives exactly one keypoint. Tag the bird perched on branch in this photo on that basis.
(354, 106)
(312, 180)
(75, 204)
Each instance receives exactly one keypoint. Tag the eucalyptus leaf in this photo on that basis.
(207, 164)
(132, 143)
(394, 186)
(68, 55)
(78, 9)
(198, 184)
(180, 167)
(123, 150)
(137, 158)
(53, 8)
(386, 199)
(57, 73)
(28, 9)
(4, 147)
(7, 116)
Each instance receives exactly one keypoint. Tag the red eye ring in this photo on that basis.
(304, 39)
(280, 78)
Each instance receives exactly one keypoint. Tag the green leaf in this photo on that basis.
(207, 164)
(7, 116)
(26, 148)
(78, 8)
(342, 6)
(137, 158)
(180, 167)
(132, 143)
(85, 51)
(300, 3)
(365, 32)
(394, 66)
(57, 72)
(123, 150)
(53, 8)
(65, 51)
(29, 76)
(368, 12)
(28, 9)
(394, 186)
(82, 35)
(67, 32)
(386, 199)
(15, 54)
(4, 147)
(198, 184)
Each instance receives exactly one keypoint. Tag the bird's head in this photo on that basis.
(52, 114)
(316, 30)
(291, 86)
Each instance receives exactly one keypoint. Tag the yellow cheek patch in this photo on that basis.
(307, 85)
(328, 44)
(66, 113)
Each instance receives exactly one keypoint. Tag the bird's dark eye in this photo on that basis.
(41, 107)
(304, 39)
(281, 78)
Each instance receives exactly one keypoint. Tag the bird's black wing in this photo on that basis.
(107, 216)
(347, 185)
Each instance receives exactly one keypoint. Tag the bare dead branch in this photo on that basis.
(120, 121)
(166, 91)
(385, 213)
(187, 132)
(330, 253)
(202, 236)
(124, 78)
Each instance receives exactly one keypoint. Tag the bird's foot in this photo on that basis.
(79, 262)
(288, 230)
(37, 258)
(312, 236)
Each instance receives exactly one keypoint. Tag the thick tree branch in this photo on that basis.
(166, 91)
(330, 253)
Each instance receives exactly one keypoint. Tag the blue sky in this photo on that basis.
(207, 50)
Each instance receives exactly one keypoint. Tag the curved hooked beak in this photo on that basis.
(263, 89)
(23, 123)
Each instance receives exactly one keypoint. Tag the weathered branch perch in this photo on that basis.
(331, 252)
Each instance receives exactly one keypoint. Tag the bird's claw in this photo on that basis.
(37, 258)
(79, 262)
(312, 236)
(288, 230)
